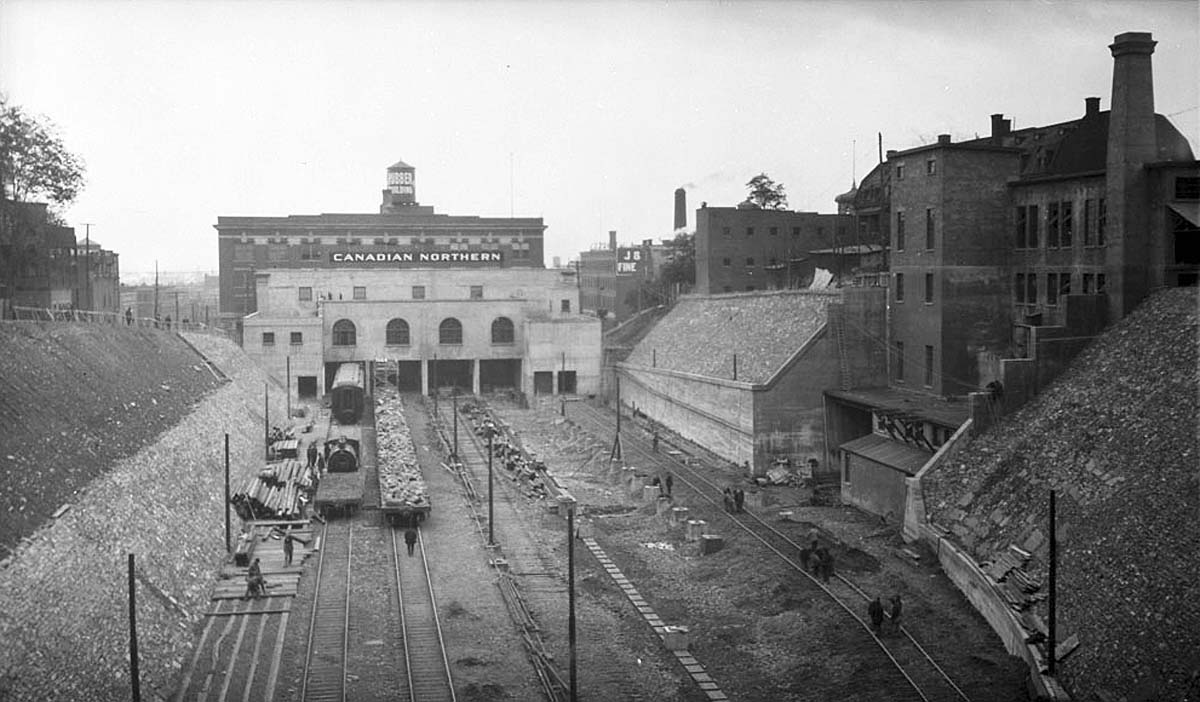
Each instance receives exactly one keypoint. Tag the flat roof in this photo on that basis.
(938, 410)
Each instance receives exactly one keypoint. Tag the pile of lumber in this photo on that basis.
(279, 491)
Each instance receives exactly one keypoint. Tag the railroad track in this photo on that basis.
(425, 661)
(328, 632)
(924, 678)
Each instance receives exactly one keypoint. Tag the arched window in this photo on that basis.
(502, 331)
(344, 333)
(397, 333)
(450, 331)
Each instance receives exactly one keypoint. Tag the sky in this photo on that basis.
(587, 114)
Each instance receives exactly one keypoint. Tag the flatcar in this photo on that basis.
(347, 393)
(342, 449)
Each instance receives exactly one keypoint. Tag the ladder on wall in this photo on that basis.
(837, 319)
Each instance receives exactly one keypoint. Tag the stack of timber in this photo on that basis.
(279, 491)
(1016, 585)
(402, 488)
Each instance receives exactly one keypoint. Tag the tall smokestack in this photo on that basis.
(612, 240)
(680, 209)
(1132, 143)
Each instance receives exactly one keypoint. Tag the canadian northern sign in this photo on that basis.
(416, 258)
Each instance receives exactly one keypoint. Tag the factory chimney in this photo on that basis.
(1132, 143)
(612, 240)
(680, 209)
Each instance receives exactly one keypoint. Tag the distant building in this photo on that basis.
(746, 248)
(610, 277)
(46, 267)
(1007, 254)
(427, 301)
(403, 228)
(195, 302)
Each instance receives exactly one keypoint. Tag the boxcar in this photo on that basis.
(347, 393)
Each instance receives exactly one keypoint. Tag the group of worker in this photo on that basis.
(256, 584)
(875, 613)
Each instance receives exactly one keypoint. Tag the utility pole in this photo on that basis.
(454, 399)
(87, 266)
(289, 387)
(156, 292)
(571, 595)
(177, 307)
(491, 431)
(133, 645)
(1052, 600)
(615, 454)
(228, 542)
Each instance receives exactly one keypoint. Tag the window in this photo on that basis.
(243, 253)
(344, 333)
(1051, 289)
(1101, 221)
(476, 292)
(1022, 225)
(928, 366)
(928, 288)
(297, 338)
(502, 331)
(928, 228)
(1187, 188)
(899, 231)
(305, 294)
(450, 331)
(774, 231)
(1019, 287)
(1089, 284)
(899, 171)
(1068, 221)
(931, 166)
(749, 288)
(1031, 291)
(749, 231)
(795, 231)
(727, 262)
(1053, 225)
(749, 261)
(900, 361)
(1099, 282)
(1089, 222)
(418, 292)
(1064, 284)
(360, 292)
(899, 287)
(397, 333)
(566, 306)
(725, 232)
(268, 338)
(727, 288)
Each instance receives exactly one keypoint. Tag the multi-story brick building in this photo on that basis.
(402, 228)
(1007, 253)
(748, 248)
(611, 276)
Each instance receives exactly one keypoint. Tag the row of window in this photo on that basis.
(1060, 224)
(898, 294)
(1057, 285)
(268, 338)
(930, 168)
(398, 332)
(305, 294)
(728, 262)
(902, 230)
(898, 364)
(727, 232)
(245, 253)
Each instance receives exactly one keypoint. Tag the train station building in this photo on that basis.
(429, 300)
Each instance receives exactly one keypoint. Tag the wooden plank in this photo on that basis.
(242, 613)
(1064, 649)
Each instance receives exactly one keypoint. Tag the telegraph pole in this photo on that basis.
(87, 265)
(615, 454)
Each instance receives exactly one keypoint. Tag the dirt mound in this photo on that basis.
(74, 399)
(1116, 437)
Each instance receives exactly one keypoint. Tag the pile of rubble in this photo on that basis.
(1115, 436)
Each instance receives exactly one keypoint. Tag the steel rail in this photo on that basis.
(635, 444)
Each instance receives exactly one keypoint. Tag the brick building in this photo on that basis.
(1007, 254)
(746, 248)
(403, 227)
(610, 276)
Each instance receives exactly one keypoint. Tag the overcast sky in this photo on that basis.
(588, 114)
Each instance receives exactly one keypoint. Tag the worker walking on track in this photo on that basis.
(897, 608)
(288, 549)
(410, 539)
(875, 612)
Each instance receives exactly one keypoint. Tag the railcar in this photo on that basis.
(347, 393)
